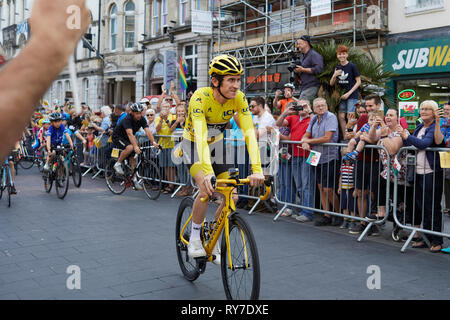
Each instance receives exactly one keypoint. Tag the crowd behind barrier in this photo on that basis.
(295, 190)
(357, 185)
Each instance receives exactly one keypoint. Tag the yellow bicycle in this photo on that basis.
(239, 254)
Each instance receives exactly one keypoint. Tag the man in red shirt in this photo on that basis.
(281, 104)
(297, 119)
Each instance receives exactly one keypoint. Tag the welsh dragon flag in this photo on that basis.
(397, 166)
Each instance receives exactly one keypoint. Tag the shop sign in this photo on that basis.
(418, 57)
(407, 94)
(408, 108)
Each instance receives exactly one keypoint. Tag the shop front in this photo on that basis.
(423, 69)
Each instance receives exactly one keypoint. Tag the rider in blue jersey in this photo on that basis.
(55, 135)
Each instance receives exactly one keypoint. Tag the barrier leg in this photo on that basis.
(366, 230)
(87, 171)
(405, 246)
(254, 206)
(95, 175)
(279, 213)
(176, 191)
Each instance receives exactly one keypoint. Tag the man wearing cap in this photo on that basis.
(288, 97)
(311, 65)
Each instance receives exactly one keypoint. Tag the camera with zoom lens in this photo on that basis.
(296, 107)
(295, 61)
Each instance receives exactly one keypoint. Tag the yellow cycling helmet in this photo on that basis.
(40, 123)
(225, 65)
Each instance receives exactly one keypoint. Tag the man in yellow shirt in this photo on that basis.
(210, 110)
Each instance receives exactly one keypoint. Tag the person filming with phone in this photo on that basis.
(296, 118)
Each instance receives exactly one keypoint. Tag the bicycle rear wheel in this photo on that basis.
(62, 179)
(114, 181)
(9, 195)
(242, 280)
(151, 179)
(1, 183)
(26, 161)
(76, 171)
(187, 264)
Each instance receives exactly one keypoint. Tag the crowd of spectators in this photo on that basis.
(352, 180)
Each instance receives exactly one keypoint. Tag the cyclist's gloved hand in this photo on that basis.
(137, 150)
(256, 179)
(208, 184)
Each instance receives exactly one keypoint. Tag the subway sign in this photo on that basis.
(430, 56)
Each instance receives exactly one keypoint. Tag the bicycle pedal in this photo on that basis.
(200, 263)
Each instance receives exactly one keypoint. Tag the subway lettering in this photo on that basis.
(422, 57)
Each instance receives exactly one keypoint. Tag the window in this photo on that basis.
(59, 92)
(190, 56)
(113, 27)
(183, 8)
(86, 91)
(195, 5)
(417, 6)
(155, 28)
(129, 25)
(164, 13)
(66, 89)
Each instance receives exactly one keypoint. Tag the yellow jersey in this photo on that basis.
(165, 142)
(207, 119)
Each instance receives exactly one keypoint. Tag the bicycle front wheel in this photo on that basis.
(187, 264)
(76, 171)
(62, 179)
(241, 280)
(114, 181)
(151, 179)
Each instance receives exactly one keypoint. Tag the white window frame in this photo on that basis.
(129, 14)
(113, 20)
(194, 57)
(155, 20)
(86, 91)
(195, 4)
(413, 7)
(59, 91)
(164, 14)
(183, 15)
(67, 87)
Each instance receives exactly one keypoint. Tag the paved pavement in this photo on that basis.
(125, 248)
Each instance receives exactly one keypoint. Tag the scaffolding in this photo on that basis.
(262, 33)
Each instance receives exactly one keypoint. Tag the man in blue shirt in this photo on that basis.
(323, 128)
(311, 66)
(55, 135)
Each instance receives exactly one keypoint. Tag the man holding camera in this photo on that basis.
(307, 68)
(296, 118)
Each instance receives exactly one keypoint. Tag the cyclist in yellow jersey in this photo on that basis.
(210, 110)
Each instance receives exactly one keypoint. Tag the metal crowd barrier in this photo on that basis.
(171, 173)
(419, 197)
(297, 185)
